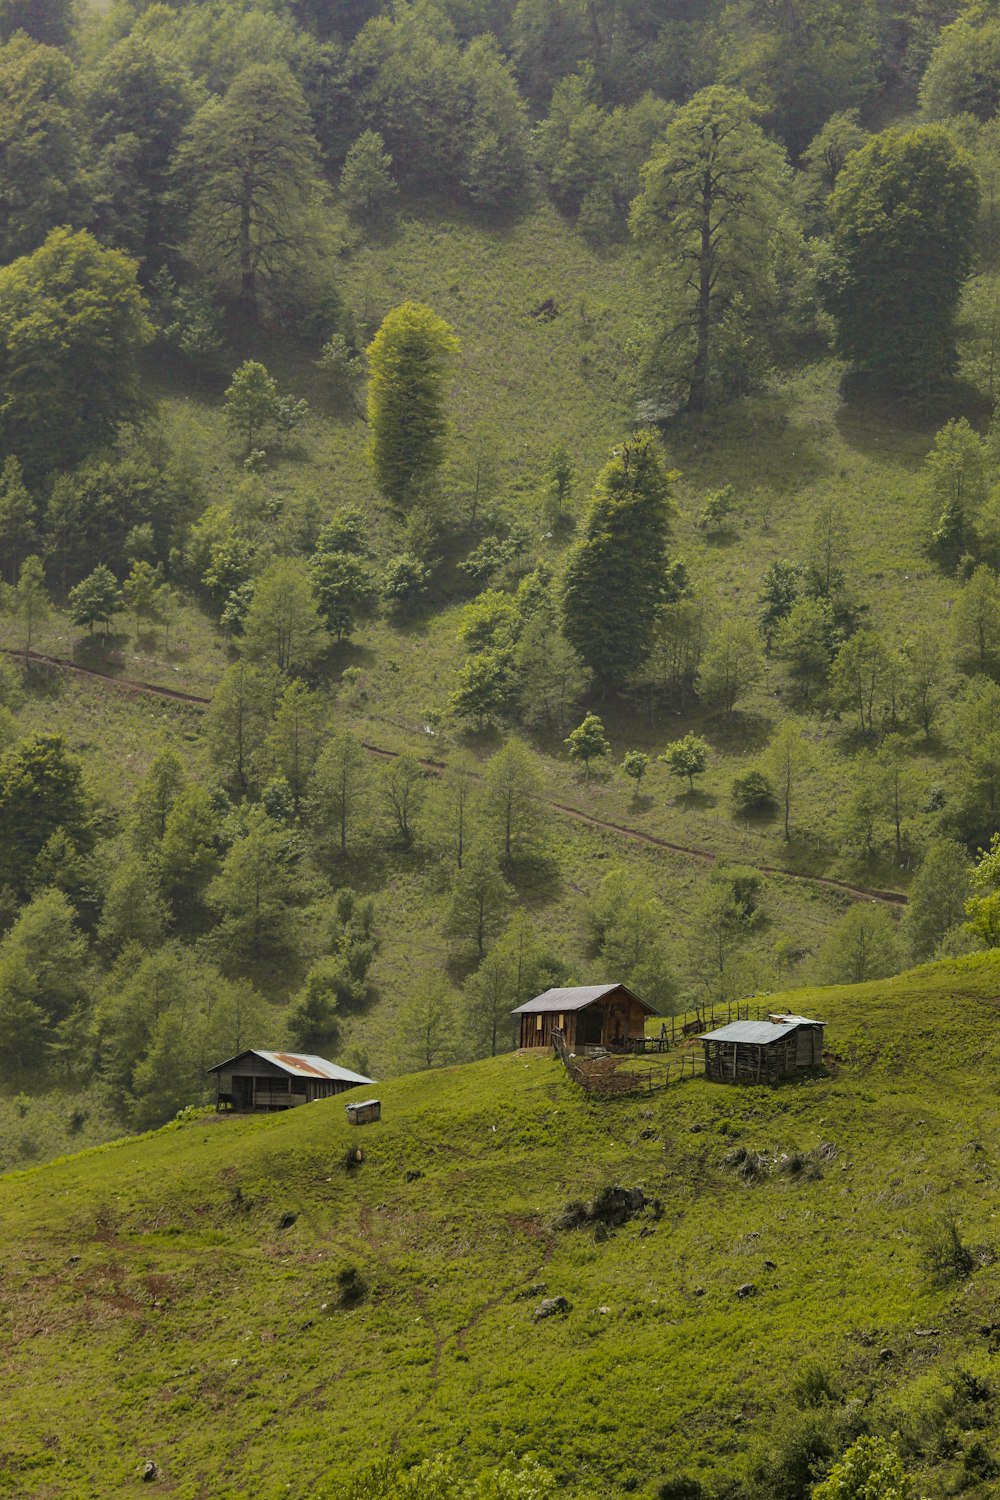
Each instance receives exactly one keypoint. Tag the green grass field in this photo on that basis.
(154, 1309)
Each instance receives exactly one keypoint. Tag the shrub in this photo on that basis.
(404, 581)
(753, 793)
(871, 1469)
(682, 1487)
(978, 1462)
(943, 1252)
(351, 1287)
(812, 1387)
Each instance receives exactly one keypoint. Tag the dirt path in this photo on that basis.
(435, 767)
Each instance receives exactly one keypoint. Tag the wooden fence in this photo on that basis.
(709, 1018)
(604, 1075)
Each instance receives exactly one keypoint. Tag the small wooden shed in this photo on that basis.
(763, 1051)
(591, 1015)
(279, 1080)
(364, 1112)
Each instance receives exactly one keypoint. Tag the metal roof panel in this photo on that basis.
(575, 998)
(299, 1065)
(760, 1033)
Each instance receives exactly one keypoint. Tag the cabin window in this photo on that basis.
(538, 1023)
(562, 1020)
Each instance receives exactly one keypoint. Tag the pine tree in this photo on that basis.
(366, 185)
(252, 164)
(710, 205)
(616, 573)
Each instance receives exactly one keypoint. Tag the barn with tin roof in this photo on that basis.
(763, 1051)
(279, 1080)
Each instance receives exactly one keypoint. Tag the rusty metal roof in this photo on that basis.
(758, 1033)
(576, 999)
(299, 1065)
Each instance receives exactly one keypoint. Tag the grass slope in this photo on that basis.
(153, 1308)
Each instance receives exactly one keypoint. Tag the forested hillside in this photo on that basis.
(490, 496)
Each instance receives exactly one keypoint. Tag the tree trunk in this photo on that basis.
(699, 374)
(248, 280)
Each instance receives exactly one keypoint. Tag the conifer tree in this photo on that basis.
(617, 572)
(408, 362)
(251, 162)
(708, 211)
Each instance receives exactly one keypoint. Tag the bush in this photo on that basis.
(796, 1456)
(351, 1287)
(404, 582)
(943, 1252)
(753, 793)
(870, 1470)
(812, 1387)
(978, 1463)
(682, 1487)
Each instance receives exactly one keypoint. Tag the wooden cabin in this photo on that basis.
(279, 1080)
(763, 1051)
(593, 1015)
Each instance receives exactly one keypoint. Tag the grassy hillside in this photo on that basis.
(155, 1308)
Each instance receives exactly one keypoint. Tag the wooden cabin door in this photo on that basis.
(589, 1028)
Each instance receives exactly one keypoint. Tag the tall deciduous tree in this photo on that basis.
(710, 204)
(366, 185)
(295, 738)
(408, 362)
(958, 477)
(480, 899)
(255, 891)
(937, 898)
(631, 926)
(861, 945)
(732, 664)
(28, 601)
(340, 786)
(154, 797)
(18, 533)
(404, 786)
(976, 620)
(39, 155)
(512, 787)
(138, 101)
(282, 625)
(616, 574)
(789, 756)
(251, 161)
(72, 322)
(237, 720)
(41, 790)
(904, 216)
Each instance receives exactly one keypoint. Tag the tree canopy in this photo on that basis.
(616, 574)
(903, 214)
(72, 323)
(409, 360)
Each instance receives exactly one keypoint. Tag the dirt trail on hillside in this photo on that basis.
(435, 767)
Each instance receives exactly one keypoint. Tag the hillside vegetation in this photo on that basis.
(249, 1305)
(463, 573)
